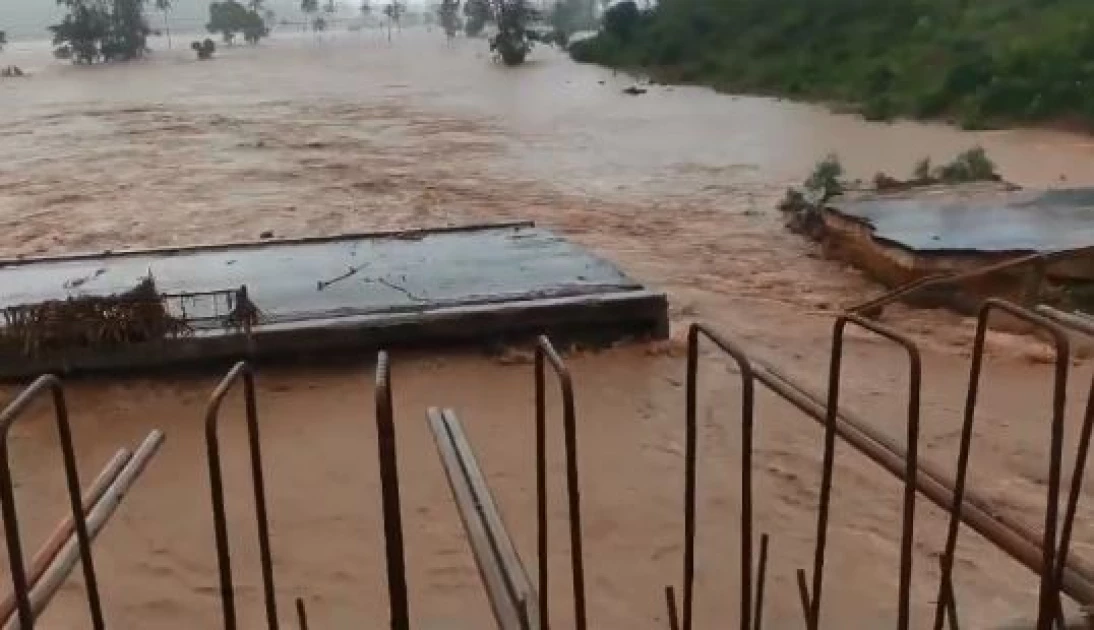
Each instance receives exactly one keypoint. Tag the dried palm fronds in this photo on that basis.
(135, 316)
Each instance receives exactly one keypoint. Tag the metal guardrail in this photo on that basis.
(240, 372)
(44, 385)
(546, 353)
(389, 486)
(1044, 550)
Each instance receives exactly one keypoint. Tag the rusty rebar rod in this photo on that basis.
(857, 431)
(803, 596)
(907, 535)
(1076, 321)
(761, 580)
(744, 366)
(389, 486)
(301, 614)
(241, 371)
(1010, 535)
(1085, 325)
(1047, 593)
(951, 601)
(13, 412)
(874, 305)
(670, 608)
(63, 532)
(546, 353)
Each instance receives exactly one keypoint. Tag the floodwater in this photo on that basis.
(677, 186)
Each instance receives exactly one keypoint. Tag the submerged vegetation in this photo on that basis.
(102, 30)
(515, 38)
(978, 62)
(230, 17)
(803, 207)
(477, 13)
(827, 181)
(204, 49)
(449, 14)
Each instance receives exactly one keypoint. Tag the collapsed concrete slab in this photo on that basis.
(309, 296)
(900, 238)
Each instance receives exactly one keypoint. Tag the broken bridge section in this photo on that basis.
(489, 283)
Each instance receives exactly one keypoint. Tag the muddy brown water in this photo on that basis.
(677, 186)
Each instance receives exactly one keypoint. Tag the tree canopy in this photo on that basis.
(976, 61)
(478, 13)
(230, 17)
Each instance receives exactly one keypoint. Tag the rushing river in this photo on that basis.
(306, 135)
(562, 122)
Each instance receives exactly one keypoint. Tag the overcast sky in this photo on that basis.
(29, 18)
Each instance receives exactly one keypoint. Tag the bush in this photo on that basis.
(204, 49)
(621, 20)
(824, 181)
(973, 165)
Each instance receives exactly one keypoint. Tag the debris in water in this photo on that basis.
(135, 316)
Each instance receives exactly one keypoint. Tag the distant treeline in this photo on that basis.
(978, 62)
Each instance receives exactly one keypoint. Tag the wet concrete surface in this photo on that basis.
(1025, 221)
(341, 276)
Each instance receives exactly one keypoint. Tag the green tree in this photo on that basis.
(309, 8)
(394, 11)
(128, 34)
(102, 30)
(514, 39)
(230, 17)
(568, 17)
(977, 62)
(477, 13)
(621, 20)
(164, 7)
(80, 36)
(449, 14)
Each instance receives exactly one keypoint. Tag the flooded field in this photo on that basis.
(677, 186)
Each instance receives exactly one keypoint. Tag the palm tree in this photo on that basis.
(308, 8)
(394, 11)
(165, 6)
